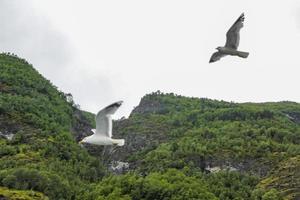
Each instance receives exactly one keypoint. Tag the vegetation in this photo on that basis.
(42, 156)
(195, 148)
(11, 194)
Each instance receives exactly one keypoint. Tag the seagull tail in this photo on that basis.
(242, 54)
(119, 142)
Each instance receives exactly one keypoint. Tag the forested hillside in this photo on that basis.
(42, 155)
(176, 147)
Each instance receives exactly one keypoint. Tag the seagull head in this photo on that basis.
(119, 103)
(115, 105)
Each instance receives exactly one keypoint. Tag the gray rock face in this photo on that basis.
(9, 126)
(148, 106)
(81, 126)
(216, 169)
(247, 165)
(118, 167)
(293, 116)
(7, 135)
(135, 142)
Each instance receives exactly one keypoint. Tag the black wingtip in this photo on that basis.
(116, 104)
(242, 16)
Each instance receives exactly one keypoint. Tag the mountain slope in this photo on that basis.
(42, 155)
(249, 140)
(176, 147)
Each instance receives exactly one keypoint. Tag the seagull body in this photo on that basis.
(232, 42)
(103, 132)
(232, 52)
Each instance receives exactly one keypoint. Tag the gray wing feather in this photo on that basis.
(104, 120)
(216, 56)
(233, 34)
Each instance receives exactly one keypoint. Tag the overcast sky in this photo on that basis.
(105, 51)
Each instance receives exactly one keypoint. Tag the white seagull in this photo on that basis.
(103, 132)
(232, 42)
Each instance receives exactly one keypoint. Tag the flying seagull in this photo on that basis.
(103, 133)
(232, 42)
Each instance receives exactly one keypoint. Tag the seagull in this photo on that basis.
(103, 132)
(232, 42)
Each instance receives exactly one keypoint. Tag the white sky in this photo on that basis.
(105, 51)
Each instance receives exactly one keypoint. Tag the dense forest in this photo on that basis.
(176, 147)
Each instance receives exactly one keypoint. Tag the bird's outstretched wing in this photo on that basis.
(233, 34)
(216, 56)
(104, 121)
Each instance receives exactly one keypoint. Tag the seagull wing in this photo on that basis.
(104, 121)
(233, 34)
(216, 56)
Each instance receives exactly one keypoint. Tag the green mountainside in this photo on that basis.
(176, 147)
(43, 155)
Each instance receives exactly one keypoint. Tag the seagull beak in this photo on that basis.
(80, 142)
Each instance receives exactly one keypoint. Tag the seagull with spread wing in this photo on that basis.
(103, 133)
(232, 42)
